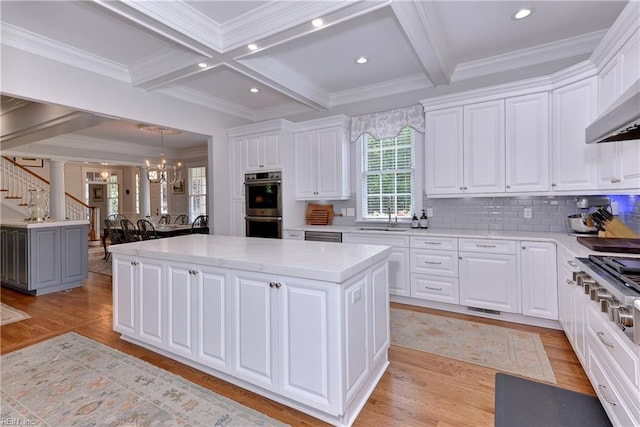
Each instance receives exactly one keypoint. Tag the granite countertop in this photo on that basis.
(43, 224)
(569, 242)
(333, 262)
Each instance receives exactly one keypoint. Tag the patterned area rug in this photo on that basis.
(97, 264)
(71, 380)
(507, 350)
(10, 314)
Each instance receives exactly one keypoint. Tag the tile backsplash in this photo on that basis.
(507, 213)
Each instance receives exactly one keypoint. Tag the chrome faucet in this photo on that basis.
(389, 225)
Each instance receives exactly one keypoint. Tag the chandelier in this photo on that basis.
(163, 171)
(105, 173)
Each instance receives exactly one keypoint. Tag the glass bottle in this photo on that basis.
(414, 221)
(37, 207)
(423, 220)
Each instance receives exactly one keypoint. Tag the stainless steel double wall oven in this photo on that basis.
(263, 201)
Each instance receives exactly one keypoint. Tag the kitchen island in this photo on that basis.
(303, 323)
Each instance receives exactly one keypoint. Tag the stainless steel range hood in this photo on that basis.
(619, 122)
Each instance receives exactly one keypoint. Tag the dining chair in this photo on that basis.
(129, 231)
(146, 229)
(114, 235)
(165, 219)
(117, 217)
(181, 220)
(199, 222)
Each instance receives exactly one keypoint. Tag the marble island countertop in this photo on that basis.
(333, 262)
(569, 242)
(43, 224)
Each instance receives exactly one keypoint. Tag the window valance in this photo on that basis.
(387, 124)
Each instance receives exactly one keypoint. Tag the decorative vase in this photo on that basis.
(37, 207)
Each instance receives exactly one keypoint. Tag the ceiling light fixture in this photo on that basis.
(202, 65)
(317, 23)
(523, 13)
(254, 90)
(362, 60)
(105, 173)
(163, 172)
(252, 46)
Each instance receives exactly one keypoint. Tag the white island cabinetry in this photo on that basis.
(303, 323)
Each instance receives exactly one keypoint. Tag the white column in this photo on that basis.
(56, 189)
(145, 193)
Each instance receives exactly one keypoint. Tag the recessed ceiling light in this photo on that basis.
(202, 65)
(362, 60)
(523, 13)
(317, 22)
(252, 46)
(254, 90)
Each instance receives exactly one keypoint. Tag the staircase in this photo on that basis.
(16, 181)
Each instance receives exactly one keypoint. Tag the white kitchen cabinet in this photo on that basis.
(539, 279)
(139, 300)
(619, 165)
(293, 234)
(322, 164)
(282, 329)
(238, 167)
(262, 152)
(527, 143)
(443, 170)
(399, 283)
(434, 269)
(484, 147)
(489, 279)
(237, 217)
(575, 163)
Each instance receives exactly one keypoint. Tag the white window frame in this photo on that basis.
(418, 140)
(193, 215)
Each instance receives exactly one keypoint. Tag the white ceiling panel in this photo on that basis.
(223, 11)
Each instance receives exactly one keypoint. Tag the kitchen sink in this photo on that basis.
(381, 229)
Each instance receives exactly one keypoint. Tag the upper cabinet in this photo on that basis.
(443, 151)
(574, 164)
(262, 152)
(321, 152)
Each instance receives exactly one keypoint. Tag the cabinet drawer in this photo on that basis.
(435, 288)
(489, 246)
(609, 342)
(293, 234)
(620, 403)
(376, 239)
(437, 243)
(439, 263)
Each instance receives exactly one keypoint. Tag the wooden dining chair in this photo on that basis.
(129, 231)
(198, 223)
(181, 220)
(114, 235)
(164, 220)
(146, 229)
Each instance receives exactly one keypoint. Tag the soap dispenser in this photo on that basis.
(423, 220)
(414, 221)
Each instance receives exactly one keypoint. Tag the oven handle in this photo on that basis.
(263, 218)
(261, 183)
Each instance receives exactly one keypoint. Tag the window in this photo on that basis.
(388, 176)
(197, 192)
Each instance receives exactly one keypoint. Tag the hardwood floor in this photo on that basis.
(418, 389)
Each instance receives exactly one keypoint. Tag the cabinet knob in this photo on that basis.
(462, 188)
(459, 257)
(554, 185)
(278, 285)
(134, 262)
(272, 284)
(524, 247)
(508, 186)
(615, 180)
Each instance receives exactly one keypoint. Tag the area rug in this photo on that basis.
(10, 314)
(525, 403)
(504, 349)
(71, 380)
(99, 265)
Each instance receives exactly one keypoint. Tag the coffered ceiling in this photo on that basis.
(196, 51)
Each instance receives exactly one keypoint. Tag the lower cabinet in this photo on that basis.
(539, 279)
(434, 269)
(489, 275)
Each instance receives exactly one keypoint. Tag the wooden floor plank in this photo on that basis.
(418, 389)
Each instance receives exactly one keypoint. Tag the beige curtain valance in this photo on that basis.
(387, 124)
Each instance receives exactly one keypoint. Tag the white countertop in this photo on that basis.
(568, 242)
(333, 262)
(44, 224)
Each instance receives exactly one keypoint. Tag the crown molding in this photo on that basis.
(627, 23)
(569, 75)
(279, 111)
(262, 127)
(279, 77)
(197, 97)
(519, 88)
(175, 21)
(35, 44)
(420, 23)
(390, 87)
(567, 48)
(161, 65)
(324, 122)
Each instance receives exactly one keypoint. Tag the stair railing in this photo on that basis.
(18, 180)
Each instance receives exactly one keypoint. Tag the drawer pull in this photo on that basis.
(433, 289)
(432, 243)
(433, 262)
(572, 263)
(485, 246)
(602, 340)
(603, 389)
(570, 282)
